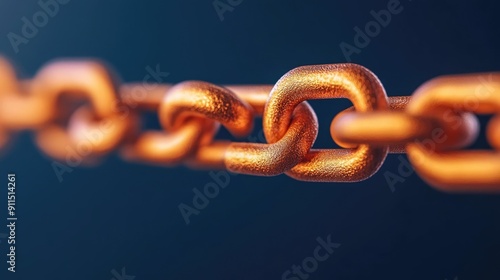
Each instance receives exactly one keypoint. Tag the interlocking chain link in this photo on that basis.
(78, 105)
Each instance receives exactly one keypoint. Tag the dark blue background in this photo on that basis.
(126, 215)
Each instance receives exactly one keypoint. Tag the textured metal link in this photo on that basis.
(78, 105)
(321, 82)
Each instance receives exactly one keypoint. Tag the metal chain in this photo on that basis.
(431, 126)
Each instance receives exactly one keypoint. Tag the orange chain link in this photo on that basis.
(430, 126)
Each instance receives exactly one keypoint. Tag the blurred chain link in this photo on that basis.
(78, 105)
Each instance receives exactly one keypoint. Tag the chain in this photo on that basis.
(78, 105)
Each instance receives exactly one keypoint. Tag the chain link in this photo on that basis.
(78, 105)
